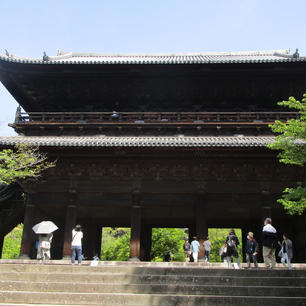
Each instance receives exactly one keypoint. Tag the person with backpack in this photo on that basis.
(251, 250)
(232, 243)
(269, 243)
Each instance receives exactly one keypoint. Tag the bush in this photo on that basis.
(12, 242)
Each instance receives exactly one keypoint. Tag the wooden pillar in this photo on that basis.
(71, 215)
(201, 225)
(89, 243)
(98, 240)
(145, 243)
(1, 244)
(244, 233)
(148, 247)
(135, 231)
(28, 234)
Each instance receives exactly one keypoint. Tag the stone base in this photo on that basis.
(136, 259)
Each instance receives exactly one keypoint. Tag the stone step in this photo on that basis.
(186, 289)
(194, 271)
(59, 298)
(124, 278)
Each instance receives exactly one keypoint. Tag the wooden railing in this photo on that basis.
(152, 117)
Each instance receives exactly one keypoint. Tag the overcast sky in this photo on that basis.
(132, 26)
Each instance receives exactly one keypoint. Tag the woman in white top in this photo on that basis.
(76, 244)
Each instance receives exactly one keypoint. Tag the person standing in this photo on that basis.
(76, 244)
(195, 249)
(207, 248)
(286, 251)
(232, 243)
(269, 242)
(251, 250)
(44, 246)
(186, 248)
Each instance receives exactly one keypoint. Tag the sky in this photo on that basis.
(28, 28)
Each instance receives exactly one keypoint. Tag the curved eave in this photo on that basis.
(150, 62)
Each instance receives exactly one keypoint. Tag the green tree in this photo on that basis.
(12, 242)
(291, 142)
(167, 240)
(115, 244)
(21, 163)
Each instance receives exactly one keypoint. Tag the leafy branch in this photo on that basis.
(22, 162)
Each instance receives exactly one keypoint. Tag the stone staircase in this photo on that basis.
(131, 284)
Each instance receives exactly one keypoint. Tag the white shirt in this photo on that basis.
(269, 228)
(76, 238)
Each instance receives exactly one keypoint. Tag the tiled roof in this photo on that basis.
(124, 141)
(175, 58)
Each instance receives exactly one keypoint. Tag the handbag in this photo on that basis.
(280, 253)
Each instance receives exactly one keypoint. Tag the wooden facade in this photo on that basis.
(187, 147)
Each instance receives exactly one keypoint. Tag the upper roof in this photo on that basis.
(162, 58)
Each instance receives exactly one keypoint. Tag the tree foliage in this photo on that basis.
(167, 241)
(21, 163)
(12, 242)
(291, 142)
(115, 244)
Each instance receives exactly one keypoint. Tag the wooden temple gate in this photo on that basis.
(152, 141)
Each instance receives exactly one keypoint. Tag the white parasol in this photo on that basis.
(44, 227)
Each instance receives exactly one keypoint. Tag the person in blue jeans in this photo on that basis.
(195, 248)
(76, 244)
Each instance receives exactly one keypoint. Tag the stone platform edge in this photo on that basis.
(216, 265)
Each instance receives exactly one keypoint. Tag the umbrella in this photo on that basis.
(44, 227)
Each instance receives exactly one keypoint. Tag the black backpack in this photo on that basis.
(231, 242)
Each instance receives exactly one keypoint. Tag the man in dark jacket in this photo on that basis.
(251, 250)
(269, 243)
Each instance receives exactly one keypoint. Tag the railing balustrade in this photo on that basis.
(153, 117)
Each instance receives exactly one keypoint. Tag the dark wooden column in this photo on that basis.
(98, 240)
(28, 223)
(1, 244)
(135, 228)
(244, 233)
(201, 224)
(146, 243)
(71, 216)
(89, 241)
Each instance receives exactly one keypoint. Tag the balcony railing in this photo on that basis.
(160, 118)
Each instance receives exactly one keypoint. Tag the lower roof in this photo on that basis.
(124, 141)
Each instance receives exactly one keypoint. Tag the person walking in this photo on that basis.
(186, 248)
(269, 242)
(251, 250)
(44, 246)
(195, 248)
(207, 248)
(76, 244)
(232, 243)
(286, 251)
